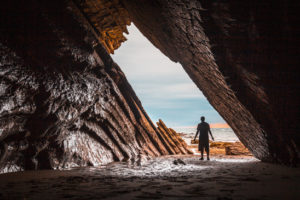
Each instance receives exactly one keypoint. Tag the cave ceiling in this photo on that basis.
(109, 20)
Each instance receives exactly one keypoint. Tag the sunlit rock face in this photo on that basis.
(63, 101)
(109, 20)
(243, 55)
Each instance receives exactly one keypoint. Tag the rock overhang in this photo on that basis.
(108, 19)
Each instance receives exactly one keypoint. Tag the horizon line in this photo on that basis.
(212, 125)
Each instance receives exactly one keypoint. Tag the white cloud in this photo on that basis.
(140, 58)
(169, 91)
(157, 76)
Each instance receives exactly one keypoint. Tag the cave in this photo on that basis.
(66, 103)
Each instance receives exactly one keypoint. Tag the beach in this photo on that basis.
(224, 177)
(160, 178)
(225, 144)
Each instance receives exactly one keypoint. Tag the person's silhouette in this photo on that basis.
(203, 128)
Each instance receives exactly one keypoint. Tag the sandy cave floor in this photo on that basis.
(224, 177)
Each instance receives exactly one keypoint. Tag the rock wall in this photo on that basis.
(243, 57)
(63, 101)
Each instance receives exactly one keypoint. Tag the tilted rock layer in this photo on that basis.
(172, 140)
(63, 101)
(108, 19)
(243, 55)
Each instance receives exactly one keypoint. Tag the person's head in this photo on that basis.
(202, 119)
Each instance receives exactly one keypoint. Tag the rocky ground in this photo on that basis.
(223, 149)
(217, 148)
(229, 177)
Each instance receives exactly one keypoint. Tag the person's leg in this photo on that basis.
(207, 150)
(201, 148)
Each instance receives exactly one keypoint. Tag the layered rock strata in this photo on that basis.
(172, 140)
(109, 20)
(63, 101)
(243, 57)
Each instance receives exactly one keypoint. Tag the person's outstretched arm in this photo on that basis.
(212, 137)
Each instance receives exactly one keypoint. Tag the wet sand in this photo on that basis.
(222, 178)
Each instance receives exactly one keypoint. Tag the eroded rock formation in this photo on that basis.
(108, 19)
(243, 57)
(173, 142)
(237, 148)
(63, 101)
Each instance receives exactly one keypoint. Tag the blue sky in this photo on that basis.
(163, 87)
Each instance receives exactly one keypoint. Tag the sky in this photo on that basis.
(164, 88)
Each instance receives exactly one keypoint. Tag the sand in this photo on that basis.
(224, 177)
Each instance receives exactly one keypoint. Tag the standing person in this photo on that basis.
(203, 128)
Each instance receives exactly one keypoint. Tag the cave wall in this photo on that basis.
(63, 101)
(243, 57)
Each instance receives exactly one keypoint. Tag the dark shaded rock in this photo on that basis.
(179, 162)
(243, 55)
(63, 101)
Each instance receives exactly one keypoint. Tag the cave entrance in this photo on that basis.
(166, 90)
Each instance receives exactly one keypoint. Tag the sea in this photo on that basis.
(220, 134)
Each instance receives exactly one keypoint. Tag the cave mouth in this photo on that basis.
(167, 92)
(87, 116)
(232, 72)
(65, 101)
